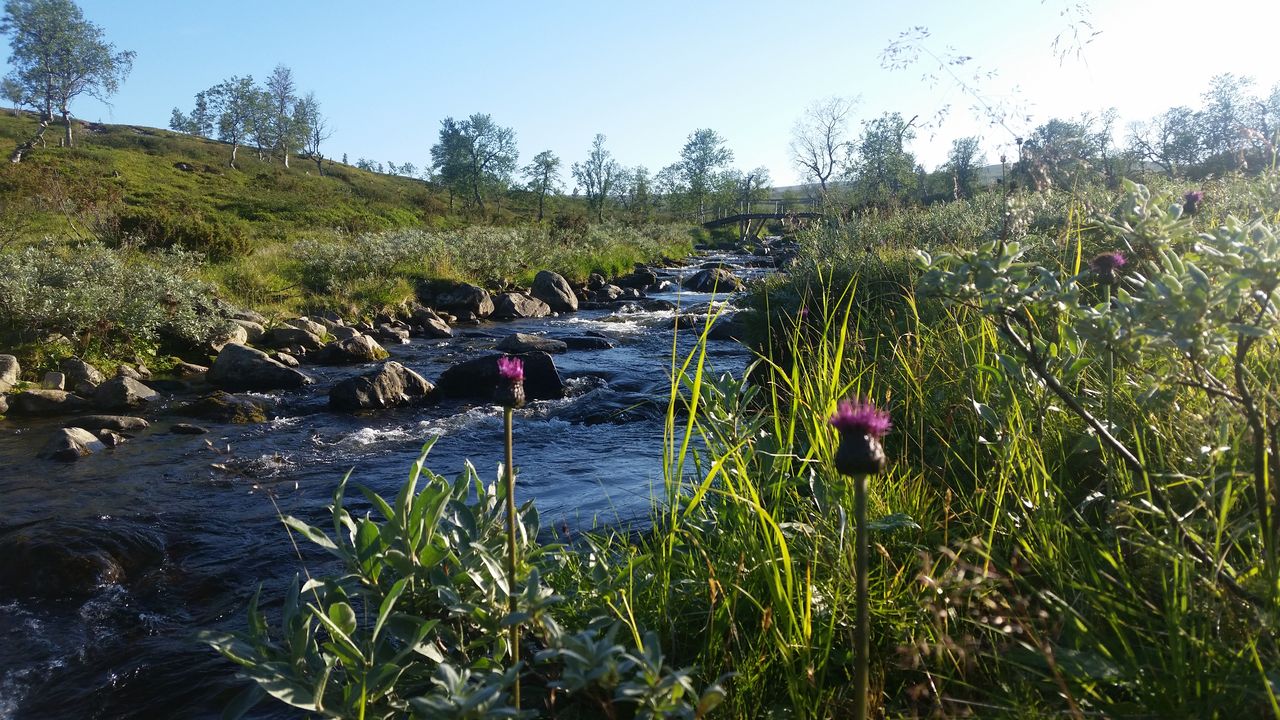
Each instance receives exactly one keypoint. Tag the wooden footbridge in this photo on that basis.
(751, 216)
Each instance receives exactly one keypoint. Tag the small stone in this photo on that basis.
(126, 371)
(285, 359)
(187, 429)
(110, 439)
(54, 381)
(187, 370)
(82, 377)
(123, 393)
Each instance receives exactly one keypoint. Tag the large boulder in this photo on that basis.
(235, 333)
(82, 377)
(46, 402)
(71, 444)
(554, 290)
(116, 423)
(123, 393)
(524, 342)
(715, 279)
(640, 279)
(252, 330)
(478, 378)
(9, 372)
(239, 367)
(391, 385)
(305, 323)
(517, 305)
(359, 349)
(288, 336)
(466, 300)
(607, 293)
(225, 408)
(342, 332)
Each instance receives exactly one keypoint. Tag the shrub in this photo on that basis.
(219, 237)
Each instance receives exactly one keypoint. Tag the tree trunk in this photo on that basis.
(26, 147)
(234, 148)
(320, 164)
(66, 121)
(541, 196)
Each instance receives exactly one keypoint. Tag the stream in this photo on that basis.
(195, 517)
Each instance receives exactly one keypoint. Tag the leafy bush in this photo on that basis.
(218, 237)
(106, 300)
(418, 622)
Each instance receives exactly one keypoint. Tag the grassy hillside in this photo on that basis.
(172, 188)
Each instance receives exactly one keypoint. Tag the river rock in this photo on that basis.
(189, 370)
(110, 438)
(715, 279)
(123, 393)
(187, 429)
(225, 408)
(595, 281)
(46, 402)
(658, 305)
(554, 290)
(129, 372)
(236, 333)
(116, 423)
(82, 377)
(524, 342)
(4, 404)
(729, 328)
(57, 559)
(640, 279)
(247, 315)
(252, 330)
(608, 293)
(54, 381)
(517, 305)
(478, 378)
(391, 385)
(393, 332)
(342, 332)
(239, 367)
(588, 342)
(285, 359)
(467, 300)
(10, 370)
(359, 349)
(306, 323)
(71, 444)
(287, 336)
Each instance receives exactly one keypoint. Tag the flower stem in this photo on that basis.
(511, 548)
(860, 630)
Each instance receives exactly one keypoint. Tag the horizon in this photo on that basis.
(641, 66)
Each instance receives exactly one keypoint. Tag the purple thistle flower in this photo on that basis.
(511, 369)
(861, 425)
(1107, 266)
(861, 417)
(1191, 201)
(804, 311)
(510, 390)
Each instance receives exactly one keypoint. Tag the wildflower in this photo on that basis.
(1191, 201)
(510, 390)
(1107, 266)
(861, 425)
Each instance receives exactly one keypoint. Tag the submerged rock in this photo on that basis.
(187, 429)
(391, 385)
(524, 342)
(69, 444)
(588, 342)
(477, 378)
(239, 367)
(225, 408)
(554, 290)
(57, 559)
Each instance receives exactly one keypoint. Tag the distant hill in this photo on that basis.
(175, 189)
(987, 175)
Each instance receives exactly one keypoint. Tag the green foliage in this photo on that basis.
(106, 301)
(416, 623)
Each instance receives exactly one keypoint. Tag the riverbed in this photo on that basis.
(200, 512)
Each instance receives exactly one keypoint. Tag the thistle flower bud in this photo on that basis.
(1191, 201)
(1106, 266)
(510, 389)
(861, 426)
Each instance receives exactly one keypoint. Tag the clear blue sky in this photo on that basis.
(647, 74)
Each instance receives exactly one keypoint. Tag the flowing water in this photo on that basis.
(194, 519)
